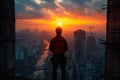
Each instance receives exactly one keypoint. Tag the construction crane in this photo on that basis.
(90, 30)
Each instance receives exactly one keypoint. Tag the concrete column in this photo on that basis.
(7, 32)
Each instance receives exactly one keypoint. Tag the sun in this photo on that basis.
(60, 24)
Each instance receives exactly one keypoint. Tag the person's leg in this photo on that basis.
(54, 71)
(63, 66)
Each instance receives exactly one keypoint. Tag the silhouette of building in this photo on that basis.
(7, 28)
(90, 47)
(79, 44)
(80, 56)
(113, 38)
(89, 57)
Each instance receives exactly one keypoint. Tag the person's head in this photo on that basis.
(58, 30)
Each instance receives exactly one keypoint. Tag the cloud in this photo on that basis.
(38, 1)
(52, 8)
(29, 8)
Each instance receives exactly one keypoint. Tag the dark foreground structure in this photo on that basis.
(7, 32)
(113, 40)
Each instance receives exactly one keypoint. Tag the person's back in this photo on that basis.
(58, 46)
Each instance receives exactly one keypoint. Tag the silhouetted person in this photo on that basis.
(58, 46)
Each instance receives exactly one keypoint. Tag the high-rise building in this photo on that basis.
(91, 47)
(90, 54)
(79, 45)
(113, 40)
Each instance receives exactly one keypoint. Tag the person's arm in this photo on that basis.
(51, 46)
(66, 46)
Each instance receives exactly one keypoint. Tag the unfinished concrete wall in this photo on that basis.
(7, 33)
(113, 40)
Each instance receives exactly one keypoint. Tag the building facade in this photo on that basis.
(80, 56)
(91, 46)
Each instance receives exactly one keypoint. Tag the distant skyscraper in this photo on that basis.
(91, 47)
(79, 45)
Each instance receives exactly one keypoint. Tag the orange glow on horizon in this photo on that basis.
(65, 22)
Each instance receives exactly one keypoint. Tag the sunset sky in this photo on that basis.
(69, 14)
